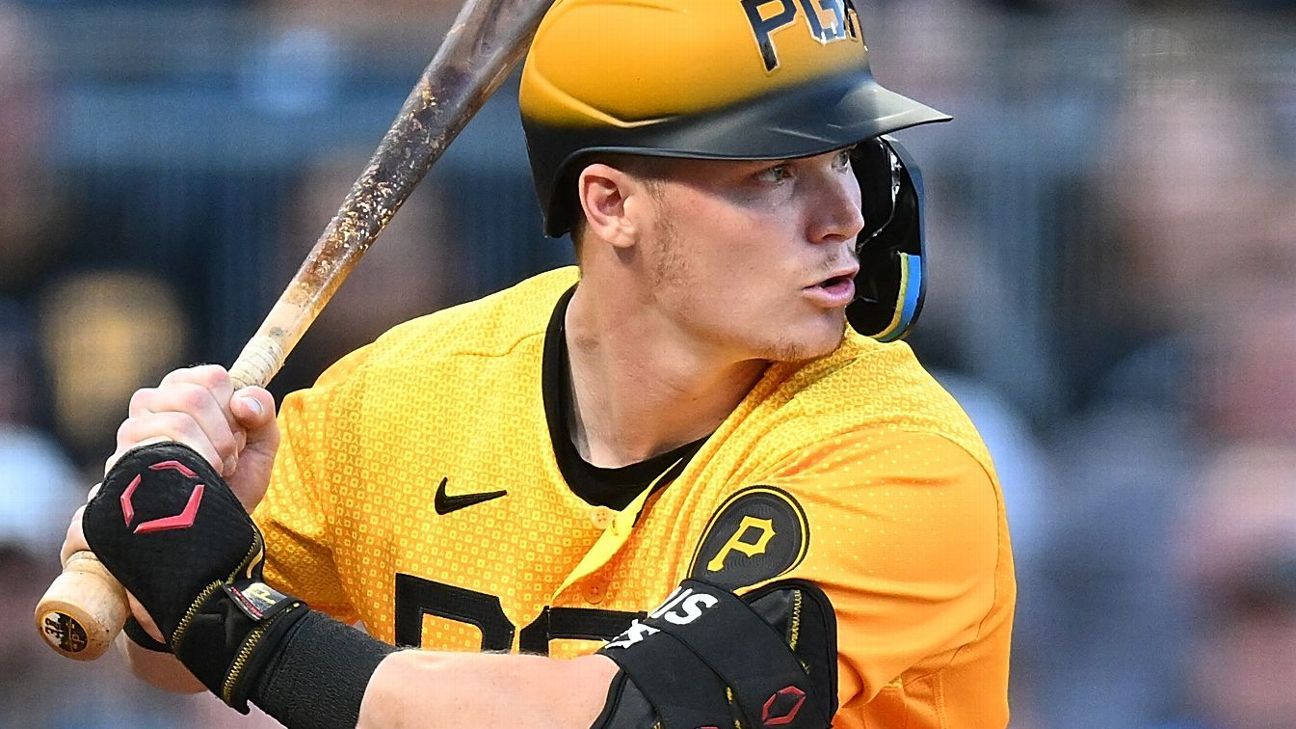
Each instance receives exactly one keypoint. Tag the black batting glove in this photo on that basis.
(168, 527)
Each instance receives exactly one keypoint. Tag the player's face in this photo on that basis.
(757, 258)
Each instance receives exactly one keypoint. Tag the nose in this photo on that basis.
(837, 211)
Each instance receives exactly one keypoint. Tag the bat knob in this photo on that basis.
(83, 610)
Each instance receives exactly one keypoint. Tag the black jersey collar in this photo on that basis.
(611, 487)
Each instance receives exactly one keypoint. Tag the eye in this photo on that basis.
(843, 159)
(776, 174)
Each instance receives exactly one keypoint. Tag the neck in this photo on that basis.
(639, 386)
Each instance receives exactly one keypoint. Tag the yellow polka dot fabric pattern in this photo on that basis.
(904, 522)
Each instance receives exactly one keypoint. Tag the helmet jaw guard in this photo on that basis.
(892, 280)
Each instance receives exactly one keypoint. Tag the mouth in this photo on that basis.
(836, 290)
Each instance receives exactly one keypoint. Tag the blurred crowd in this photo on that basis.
(1112, 234)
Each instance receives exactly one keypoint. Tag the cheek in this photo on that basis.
(715, 249)
(737, 261)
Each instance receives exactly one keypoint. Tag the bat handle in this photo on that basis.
(258, 362)
(83, 610)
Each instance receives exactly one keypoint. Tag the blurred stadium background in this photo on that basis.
(1112, 226)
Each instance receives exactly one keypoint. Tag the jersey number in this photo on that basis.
(416, 597)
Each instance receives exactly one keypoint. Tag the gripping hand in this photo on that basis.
(172, 532)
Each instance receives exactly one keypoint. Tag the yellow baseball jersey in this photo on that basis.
(417, 490)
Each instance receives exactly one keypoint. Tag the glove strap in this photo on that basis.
(230, 632)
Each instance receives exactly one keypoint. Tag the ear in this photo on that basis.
(607, 195)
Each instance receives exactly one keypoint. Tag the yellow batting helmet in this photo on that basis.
(724, 79)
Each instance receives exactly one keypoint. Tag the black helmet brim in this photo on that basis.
(832, 113)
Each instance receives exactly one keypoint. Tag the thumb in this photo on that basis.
(254, 409)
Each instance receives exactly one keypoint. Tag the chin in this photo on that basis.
(814, 342)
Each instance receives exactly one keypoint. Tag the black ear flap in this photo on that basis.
(891, 283)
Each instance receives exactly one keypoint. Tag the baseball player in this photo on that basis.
(692, 482)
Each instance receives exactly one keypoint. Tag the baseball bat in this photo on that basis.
(85, 608)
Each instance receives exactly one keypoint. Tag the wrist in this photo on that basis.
(247, 642)
(318, 675)
(230, 632)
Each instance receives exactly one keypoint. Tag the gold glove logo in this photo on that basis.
(757, 534)
(255, 599)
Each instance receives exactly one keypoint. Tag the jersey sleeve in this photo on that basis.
(296, 514)
(904, 533)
